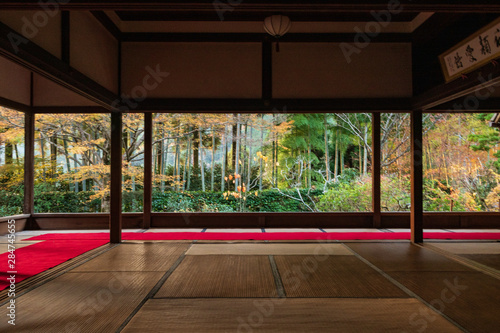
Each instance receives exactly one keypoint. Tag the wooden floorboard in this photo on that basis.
(80, 302)
(268, 249)
(138, 257)
(472, 299)
(405, 257)
(333, 276)
(285, 315)
(221, 276)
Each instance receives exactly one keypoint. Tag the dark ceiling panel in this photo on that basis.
(301, 5)
(244, 15)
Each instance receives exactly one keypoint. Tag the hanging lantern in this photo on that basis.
(277, 26)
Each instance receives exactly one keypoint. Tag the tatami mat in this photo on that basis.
(136, 257)
(238, 230)
(285, 315)
(405, 257)
(351, 230)
(221, 276)
(490, 260)
(292, 230)
(333, 276)
(268, 249)
(174, 230)
(80, 302)
(469, 248)
(4, 247)
(471, 299)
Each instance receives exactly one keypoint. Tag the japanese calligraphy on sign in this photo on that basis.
(473, 52)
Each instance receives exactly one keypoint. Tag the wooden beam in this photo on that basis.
(108, 24)
(290, 5)
(26, 53)
(200, 37)
(148, 169)
(215, 105)
(254, 16)
(484, 77)
(417, 206)
(115, 211)
(70, 109)
(376, 165)
(7, 103)
(218, 105)
(472, 103)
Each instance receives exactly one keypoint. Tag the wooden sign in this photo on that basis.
(473, 52)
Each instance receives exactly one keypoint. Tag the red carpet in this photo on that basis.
(37, 258)
(271, 236)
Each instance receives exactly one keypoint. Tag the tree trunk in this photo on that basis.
(66, 155)
(53, 155)
(276, 174)
(188, 158)
(196, 152)
(68, 164)
(42, 151)
(163, 162)
(237, 155)
(17, 153)
(75, 167)
(9, 148)
(336, 154)
(184, 171)
(365, 155)
(341, 160)
(213, 161)
(159, 153)
(274, 160)
(177, 162)
(249, 177)
(260, 159)
(360, 158)
(202, 165)
(309, 169)
(224, 157)
(327, 158)
(235, 137)
(243, 150)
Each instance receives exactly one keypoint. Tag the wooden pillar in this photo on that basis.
(148, 169)
(417, 206)
(29, 162)
(115, 211)
(376, 192)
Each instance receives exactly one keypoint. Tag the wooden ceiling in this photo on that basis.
(250, 15)
(266, 6)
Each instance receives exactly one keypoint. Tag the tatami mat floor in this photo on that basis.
(250, 286)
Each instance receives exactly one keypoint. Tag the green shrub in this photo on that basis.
(265, 201)
(354, 196)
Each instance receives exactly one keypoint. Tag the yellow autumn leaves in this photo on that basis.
(240, 190)
(260, 156)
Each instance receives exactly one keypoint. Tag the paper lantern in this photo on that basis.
(277, 26)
